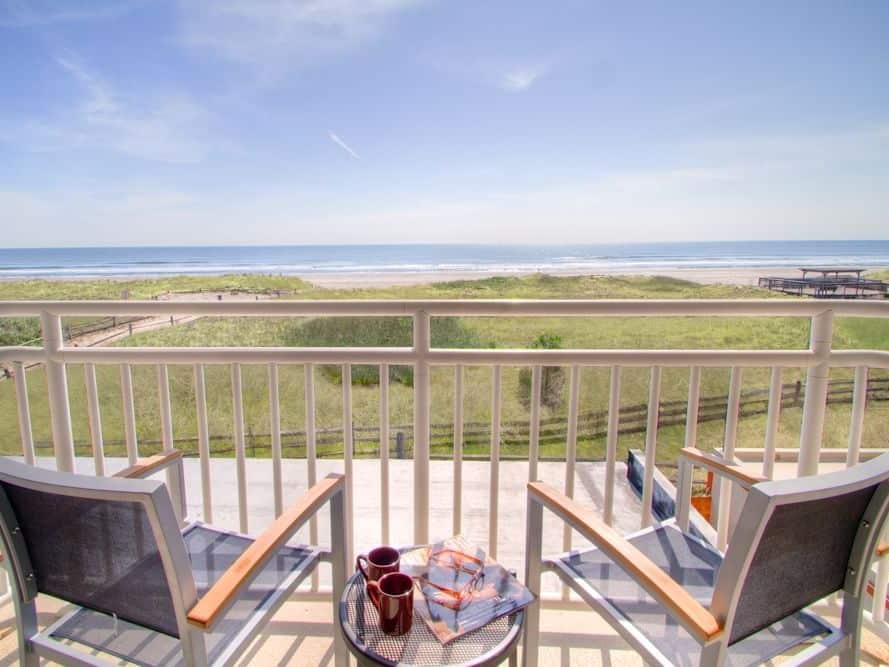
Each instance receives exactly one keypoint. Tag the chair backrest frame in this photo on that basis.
(766, 497)
(154, 499)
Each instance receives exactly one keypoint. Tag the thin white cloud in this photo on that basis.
(342, 144)
(24, 13)
(521, 79)
(100, 98)
(274, 36)
(167, 128)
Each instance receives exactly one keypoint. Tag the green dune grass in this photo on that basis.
(658, 333)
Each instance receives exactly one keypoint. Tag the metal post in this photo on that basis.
(533, 571)
(421, 428)
(772, 422)
(57, 386)
(339, 568)
(724, 486)
(654, 398)
(856, 426)
(693, 407)
(534, 440)
(821, 336)
(21, 390)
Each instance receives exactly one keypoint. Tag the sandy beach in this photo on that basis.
(747, 276)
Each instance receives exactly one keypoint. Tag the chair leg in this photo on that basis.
(27, 627)
(533, 565)
(851, 655)
(338, 567)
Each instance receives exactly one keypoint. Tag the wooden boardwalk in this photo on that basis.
(828, 283)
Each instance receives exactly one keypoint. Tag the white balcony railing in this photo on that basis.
(818, 360)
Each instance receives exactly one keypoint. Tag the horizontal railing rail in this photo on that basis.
(464, 308)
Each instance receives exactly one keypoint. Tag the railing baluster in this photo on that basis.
(693, 407)
(166, 410)
(611, 444)
(494, 501)
(95, 418)
(732, 414)
(348, 455)
(571, 454)
(534, 440)
(654, 398)
(240, 448)
(384, 452)
(175, 482)
(129, 413)
(24, 406)
(200, 399)
(57, 389)
(458, 450)
(773, 420)
(311, 453)
(422, 342)
(815, 405)
(856, 426)
(275, 424)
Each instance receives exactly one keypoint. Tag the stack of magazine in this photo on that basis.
(462, 589)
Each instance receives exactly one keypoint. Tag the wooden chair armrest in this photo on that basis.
(696, 618)
(149, 465)
(210, 608)
(721, 466)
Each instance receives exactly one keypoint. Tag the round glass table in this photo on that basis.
(359, 621)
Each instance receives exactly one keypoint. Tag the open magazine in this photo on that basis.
(461, 589)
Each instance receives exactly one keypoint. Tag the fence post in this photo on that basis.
(399, 445)
(57, 386)
(815, 402)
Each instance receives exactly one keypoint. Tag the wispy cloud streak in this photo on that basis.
(166, 128)
(342, 144)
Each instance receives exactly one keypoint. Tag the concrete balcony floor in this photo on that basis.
(301, 632)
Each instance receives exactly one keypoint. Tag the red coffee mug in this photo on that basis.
(379, 561)
(393, 596)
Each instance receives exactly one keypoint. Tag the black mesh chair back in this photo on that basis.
(91, 547)
(795, 543)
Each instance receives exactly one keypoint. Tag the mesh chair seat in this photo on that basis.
(210, 551)
(692, 563)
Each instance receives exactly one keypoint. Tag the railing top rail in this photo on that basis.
(464, 307)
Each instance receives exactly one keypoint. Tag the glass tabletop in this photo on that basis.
(360, 622)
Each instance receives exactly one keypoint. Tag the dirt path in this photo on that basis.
(111, 334)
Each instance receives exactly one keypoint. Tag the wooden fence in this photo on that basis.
(590, 425)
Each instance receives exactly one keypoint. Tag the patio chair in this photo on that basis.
(145, 589)
(679, 601)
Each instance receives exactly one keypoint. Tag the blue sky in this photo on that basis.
(387, 121)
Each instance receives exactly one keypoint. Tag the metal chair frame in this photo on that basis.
(154, 498)
(762, 500)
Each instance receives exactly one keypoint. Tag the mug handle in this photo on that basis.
(373, 590)
(361, 568)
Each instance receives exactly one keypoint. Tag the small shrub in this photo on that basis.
(552, 381)
(377, 332)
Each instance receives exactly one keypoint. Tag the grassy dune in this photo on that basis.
(660, 333)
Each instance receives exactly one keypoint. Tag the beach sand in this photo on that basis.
(728, 276)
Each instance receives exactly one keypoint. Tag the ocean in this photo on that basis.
(393, 259)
